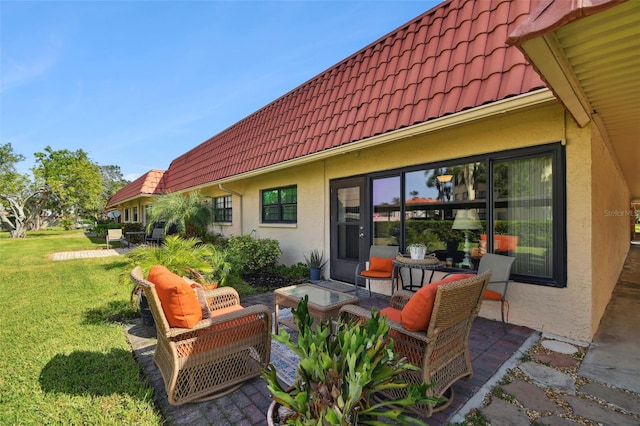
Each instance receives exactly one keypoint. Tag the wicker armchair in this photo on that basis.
(442, 352)
(216, 356)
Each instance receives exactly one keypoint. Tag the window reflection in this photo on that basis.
(421, 205)
(386, 211)
(432, 199)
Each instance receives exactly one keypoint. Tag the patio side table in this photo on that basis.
(426, 264)
(323, 303)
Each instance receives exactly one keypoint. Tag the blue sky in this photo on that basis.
(137, 83)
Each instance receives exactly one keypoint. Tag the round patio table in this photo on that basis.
(429, 263)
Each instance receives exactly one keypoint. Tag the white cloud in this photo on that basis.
(18, 71)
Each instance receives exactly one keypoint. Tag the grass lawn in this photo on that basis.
(65, 358)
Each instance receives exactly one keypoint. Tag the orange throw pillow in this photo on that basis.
(179, 302)
(416, 314)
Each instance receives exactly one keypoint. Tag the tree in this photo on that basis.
(20, 197)
(73, 180)
(112, 182)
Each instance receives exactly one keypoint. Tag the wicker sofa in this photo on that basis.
(218, 354)
(442, 351)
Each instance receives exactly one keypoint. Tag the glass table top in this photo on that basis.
(317, 295)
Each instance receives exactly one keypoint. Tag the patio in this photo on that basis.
(491, 348)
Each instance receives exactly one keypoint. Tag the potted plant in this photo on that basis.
(340, 369)
(417, 250)
(315, 262)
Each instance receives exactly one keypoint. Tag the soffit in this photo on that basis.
(593, 66)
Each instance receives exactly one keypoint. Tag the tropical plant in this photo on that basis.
(183, 256)
(184, 212)
(340, 370)
(315, 259)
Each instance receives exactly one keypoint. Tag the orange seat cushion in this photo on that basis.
(416, 314)
(228, 309)
(493, 295)
(224, 335)
(376, 274)
(392, 313)
(379, 267)
(179, 301)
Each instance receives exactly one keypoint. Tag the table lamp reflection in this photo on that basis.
(466, 220)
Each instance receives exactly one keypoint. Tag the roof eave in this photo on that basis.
(515, 103)
(546, 56)
(112, 206)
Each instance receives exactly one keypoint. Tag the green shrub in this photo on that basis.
(66, 223)
(218, 240)
(249, 255)
(296, 272)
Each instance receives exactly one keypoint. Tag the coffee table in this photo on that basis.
(323, 303)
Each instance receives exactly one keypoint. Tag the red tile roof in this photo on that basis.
(421, 200)
(451, 58)
(149, 183)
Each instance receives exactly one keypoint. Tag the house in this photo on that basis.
(524, 113)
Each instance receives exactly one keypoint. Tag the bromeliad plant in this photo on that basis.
(340, 371)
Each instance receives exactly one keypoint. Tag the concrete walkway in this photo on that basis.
(88, 254)
(562, 383)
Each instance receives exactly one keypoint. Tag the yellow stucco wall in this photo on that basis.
(562, 311)
(573, 311)
(137, 202)
(610, 212)
(310, 232)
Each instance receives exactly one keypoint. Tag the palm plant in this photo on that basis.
(183, 212)
(179, 255)
(182, 256)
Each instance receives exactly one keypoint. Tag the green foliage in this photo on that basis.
(216, 239)
(67, 223)
(112, 181)
(251, 255)
(477, 418)
(296, 272)
(315, 259)
(74, 181)
(182, 256)
(436, 233)
(186, 212)
(339, 372)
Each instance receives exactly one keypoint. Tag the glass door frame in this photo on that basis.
(343, 268)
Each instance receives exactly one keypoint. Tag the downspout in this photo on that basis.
(228, 191)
